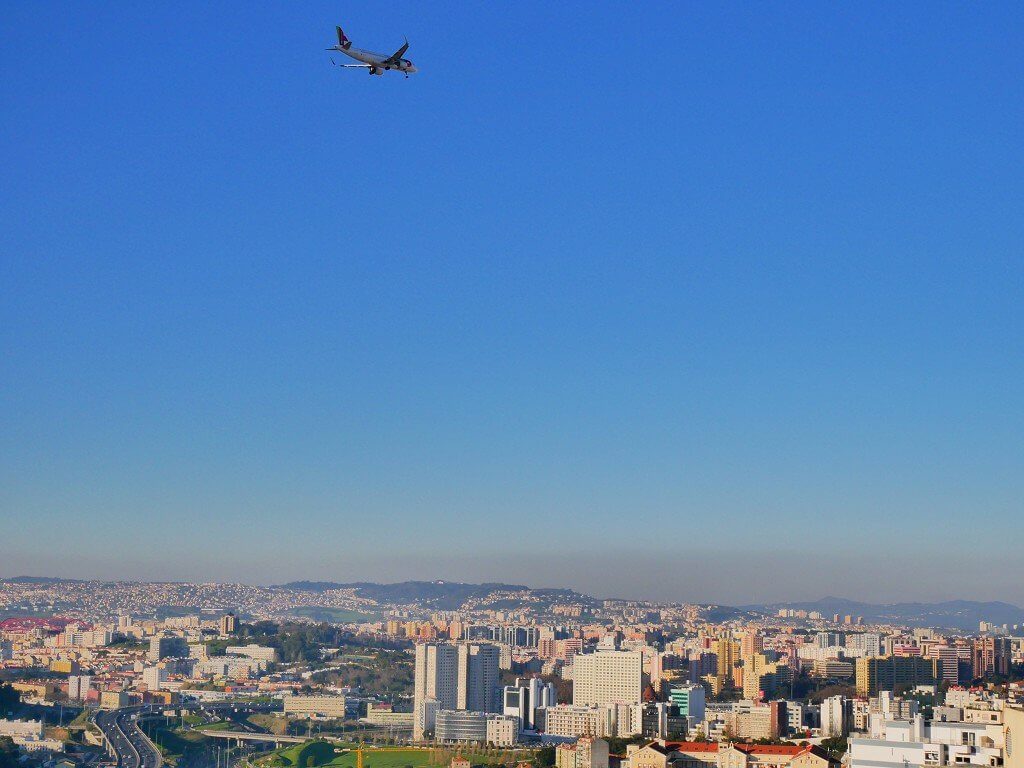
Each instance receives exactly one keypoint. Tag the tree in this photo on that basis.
(8, 753)
(545, 757)
(835, 745)
(9, 698)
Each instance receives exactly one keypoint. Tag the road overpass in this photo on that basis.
(274, 738)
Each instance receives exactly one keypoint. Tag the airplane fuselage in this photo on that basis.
(379, 63)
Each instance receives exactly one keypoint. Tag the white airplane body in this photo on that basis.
(375, 63)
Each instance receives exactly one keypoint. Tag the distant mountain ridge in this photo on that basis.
(441, 595)
(40, 580)
(955, 614)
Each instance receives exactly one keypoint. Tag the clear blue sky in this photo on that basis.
(690, 300)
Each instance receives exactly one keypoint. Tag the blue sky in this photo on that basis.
(650, 300)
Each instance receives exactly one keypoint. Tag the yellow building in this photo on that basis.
(727, 651)
(114, 699)
(44, 691)
(755, 668)
(888, 673)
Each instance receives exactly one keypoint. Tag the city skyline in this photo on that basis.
(705, 302)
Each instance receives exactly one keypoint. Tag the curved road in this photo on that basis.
(132, 747)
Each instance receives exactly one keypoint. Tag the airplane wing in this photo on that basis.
(395, 57)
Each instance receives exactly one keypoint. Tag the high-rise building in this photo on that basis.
(436, 684)
(885, 673)
(726, 652)
(751, 643)
(607, 677)
(835, 716)
(949, 663)
(167, 646)
(689, 699)
(78, 687)
(479, 667)
(991, 656)
(154, 678)
(228, 624)
(454, 677)
(524, 698)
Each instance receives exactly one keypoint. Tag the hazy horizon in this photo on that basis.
(658, 581)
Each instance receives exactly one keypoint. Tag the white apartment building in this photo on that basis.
(436, 684)
(154, 678)
(253, 651)
(920, 743)
(26, 729)
(502, 730)
(835, 717)
(78, 687)
(571, 720)
(235, 667)
(332, 707)
(479, 669)
(607, 677)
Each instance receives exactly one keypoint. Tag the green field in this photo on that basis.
(223, 725)
(321, 753)
(176, 743)
(331, 615)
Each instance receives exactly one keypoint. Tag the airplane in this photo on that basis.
(376, 63)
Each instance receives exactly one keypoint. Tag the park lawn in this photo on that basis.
(268, 723)
(310, 753)
(327, 755)
(223, 725)
(335, 615)
(176, 743)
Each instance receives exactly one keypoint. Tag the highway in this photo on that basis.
(131, 746)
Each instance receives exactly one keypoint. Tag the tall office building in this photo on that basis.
(949, 662)
(454, 677)
(167, 646)
(228, 624)
(523, 699)
(887, 673)
(751, 643)
(690, 699)
(836, 713)
(726, 652)
(478, 674)
(154, 678)
(607, 677)
(435, 687)
(991, 656)
(78, 687)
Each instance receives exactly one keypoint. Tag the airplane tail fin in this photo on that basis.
(343, 42)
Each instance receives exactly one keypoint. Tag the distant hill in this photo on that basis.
(954, 614)
(440, 595)
(39, 580)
